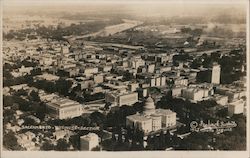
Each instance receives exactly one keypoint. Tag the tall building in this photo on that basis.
(151, 119)
(216, 74)
(89, 141)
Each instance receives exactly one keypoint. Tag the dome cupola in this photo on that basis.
(149, 107)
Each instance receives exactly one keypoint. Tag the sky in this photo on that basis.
(137, 7)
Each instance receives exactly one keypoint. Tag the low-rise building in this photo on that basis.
(46, 76)
(118, 98)
(63, 108)
(25, 70)
(106, 68)
(196, 93)
(136, 62)
(193, 94)
(233, 93)
(221, 99)
(176, 91)
(89, 142)
(90, 70)
(236, 107)
(151, 68)
(133, 86)
(181, 82)
(18, 87)
(98, 78)
(59, 134)
(25, 140)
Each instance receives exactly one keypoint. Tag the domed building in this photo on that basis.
(149, 107)
(151, 119)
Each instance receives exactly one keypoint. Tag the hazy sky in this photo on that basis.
(137, 7)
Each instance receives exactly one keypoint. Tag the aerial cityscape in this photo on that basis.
(124, 76)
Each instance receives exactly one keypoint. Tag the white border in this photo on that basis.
(248, 76)
(147, 154)
(1, 81)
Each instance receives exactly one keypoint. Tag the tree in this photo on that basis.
(8, 36)
(168, 139)
(186, 30)
(8, 115)
(8, 100)
(36, 71)
(96, 149)
(63, 86)
(107, 105)
(138, 136)
(196, 141)
(27, 63)
(29, 121)
(196, 63)
(75, 141)
(31, 37)
(23, 104)
(62, 145)
(41, 111)
(204, 76)
(21, 92)
(128, 76)
(207, 62)
(39, 49)
(181, 57)
(10, 141)
(34, 96)
(197, 32)
(47, 146)
(98, 118)
(162, 140)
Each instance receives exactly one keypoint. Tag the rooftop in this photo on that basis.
(138, 117)
(164, 111)
(89, 136)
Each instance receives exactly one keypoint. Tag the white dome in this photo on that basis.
(149, 106)
(149, 99)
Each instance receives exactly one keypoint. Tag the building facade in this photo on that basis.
(89, 142)
(236, 107)
(216, 74)
(119, 99)
(151, 119)
(62, 108)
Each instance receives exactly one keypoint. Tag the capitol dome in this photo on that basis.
(149, 107)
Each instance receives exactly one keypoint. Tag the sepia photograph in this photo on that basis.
(113, 76)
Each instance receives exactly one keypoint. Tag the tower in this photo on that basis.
(149, 107)
(216, 74)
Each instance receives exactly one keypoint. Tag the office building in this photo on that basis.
(216, 74)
